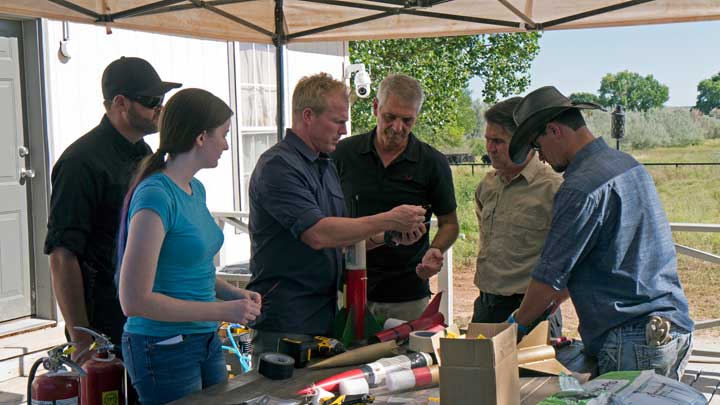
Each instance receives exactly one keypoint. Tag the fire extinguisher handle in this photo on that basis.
(101, 342)
(73, 366)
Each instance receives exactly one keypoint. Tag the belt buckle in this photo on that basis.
(657, 331)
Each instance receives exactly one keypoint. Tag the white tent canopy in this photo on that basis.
(282, 21)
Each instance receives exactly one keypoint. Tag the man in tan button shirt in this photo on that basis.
(513, 204)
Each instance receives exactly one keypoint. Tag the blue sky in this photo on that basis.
(677, 55)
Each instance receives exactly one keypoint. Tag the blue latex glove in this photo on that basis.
(522, 329)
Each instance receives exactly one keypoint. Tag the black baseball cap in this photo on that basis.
(133, 76)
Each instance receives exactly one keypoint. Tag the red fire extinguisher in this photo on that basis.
(61, 382)
(103, 382)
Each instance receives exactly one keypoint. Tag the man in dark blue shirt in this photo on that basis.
(297, 222)
(609, 246)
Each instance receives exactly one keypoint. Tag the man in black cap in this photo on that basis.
(89, 182)
(609, 246)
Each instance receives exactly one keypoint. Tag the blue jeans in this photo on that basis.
(165, 372)
(625, 348)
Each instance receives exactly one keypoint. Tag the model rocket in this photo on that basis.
(430, 318)
(374, 373)
(355, 322)
(536, 354)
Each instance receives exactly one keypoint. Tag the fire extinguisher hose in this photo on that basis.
(31, 377)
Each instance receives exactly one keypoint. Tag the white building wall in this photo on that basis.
(306, 59)
(75, 95)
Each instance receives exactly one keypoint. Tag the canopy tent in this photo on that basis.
(266, 21)
(283, 21)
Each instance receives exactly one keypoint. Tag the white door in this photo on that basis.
(14, 244)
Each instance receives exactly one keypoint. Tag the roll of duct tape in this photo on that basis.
(276, 366)
(421, 341)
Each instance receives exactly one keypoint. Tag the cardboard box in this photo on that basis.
(480, 371)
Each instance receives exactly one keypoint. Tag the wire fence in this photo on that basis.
(676, 164)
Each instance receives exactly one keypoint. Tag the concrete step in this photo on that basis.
(24, 325)
(19, 351)
(12, 391)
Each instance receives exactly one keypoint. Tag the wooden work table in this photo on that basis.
(251, 385)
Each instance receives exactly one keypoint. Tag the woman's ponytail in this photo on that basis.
(148, 166)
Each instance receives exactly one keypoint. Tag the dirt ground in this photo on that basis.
(465, 293)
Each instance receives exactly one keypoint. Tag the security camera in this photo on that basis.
(362, 84)
(362, 79)
(63, 53)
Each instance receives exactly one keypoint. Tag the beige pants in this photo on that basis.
(407, 310)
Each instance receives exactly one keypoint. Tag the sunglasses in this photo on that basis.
(534, 143)
(148, 101)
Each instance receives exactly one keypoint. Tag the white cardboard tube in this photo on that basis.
(392, 322)
(400, 380)
(354, 386)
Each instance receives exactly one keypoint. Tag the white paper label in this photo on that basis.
(387, 365)
(66, 401)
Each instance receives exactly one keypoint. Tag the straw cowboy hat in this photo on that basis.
(534, 112)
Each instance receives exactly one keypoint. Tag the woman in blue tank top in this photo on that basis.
(168, 238)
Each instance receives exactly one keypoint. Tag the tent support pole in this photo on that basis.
(280, 39)
(591, 13)
(75, 7)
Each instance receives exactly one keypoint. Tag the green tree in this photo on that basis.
(585, 98)
(479, 108)
(708, 94)
(632, 91)
(453, 133)
(444, 67)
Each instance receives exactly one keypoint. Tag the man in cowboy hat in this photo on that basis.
(609, 246)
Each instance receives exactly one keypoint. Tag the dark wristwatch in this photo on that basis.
(389, 238)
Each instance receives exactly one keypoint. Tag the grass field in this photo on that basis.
(688, 193)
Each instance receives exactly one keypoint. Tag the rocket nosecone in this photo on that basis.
(360, 355)
(332, 384)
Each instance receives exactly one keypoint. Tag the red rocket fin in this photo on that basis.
(433, 307)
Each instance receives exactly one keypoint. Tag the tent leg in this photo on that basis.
(280, 40)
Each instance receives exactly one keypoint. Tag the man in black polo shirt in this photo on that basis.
(89, 182)
(297, 223)
(389, 166)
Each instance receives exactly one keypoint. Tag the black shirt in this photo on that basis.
(291, 189)
(89, 183)
(419, 176)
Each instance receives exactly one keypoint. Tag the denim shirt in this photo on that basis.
(610, 244)
(291, 189)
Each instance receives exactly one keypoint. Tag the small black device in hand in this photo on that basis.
(391, 237)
